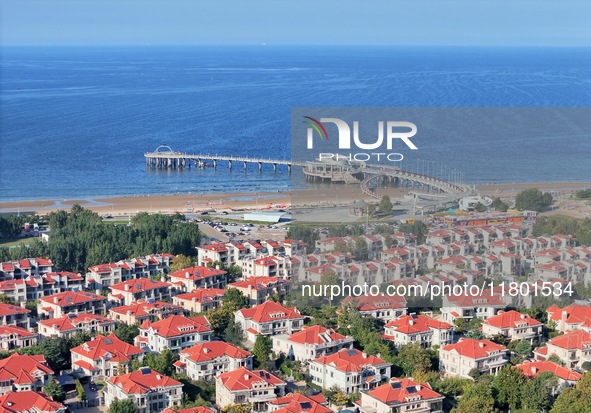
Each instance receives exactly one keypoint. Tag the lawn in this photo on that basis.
(17, 242)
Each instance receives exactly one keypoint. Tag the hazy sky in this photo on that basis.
(391, 22)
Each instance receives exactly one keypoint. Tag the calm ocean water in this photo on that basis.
(75, 122)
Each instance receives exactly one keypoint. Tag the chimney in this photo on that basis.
(128, 313)
(481, 344)
(418, 387)
(158, 377)
(564, 315)
(217, 267)
(247, 377)
(523, 316)
(364, 355)
(411, 322)
(56, 300)
(187, 274)
(126, 287)
(534, 370)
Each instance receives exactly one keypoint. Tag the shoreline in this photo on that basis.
(194, 203)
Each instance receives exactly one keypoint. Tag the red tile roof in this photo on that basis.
(403, 391)
(178, 325)
(419, 323)
(298, 403)
(572, 340)
(73, 321)
(258, 283)
(575, 314)
(12, 367)
(28, 401)
(142, 381)
(219, 247)
(100, 346)
(244, 379)
(532, 369)
(196, 273)
(350, 360)
(199, 409)
(380, 302)
(68, 298)
(270, 311)
(511, 319)
(316, 335)
(17, 331)
(486, 298)
(142, 308)
(202, 295)
(11, 309)
(475, 349)
(210, 350)
(138, 285)
(11, 285)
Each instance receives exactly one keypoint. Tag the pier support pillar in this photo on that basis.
(260, 166)
(215, 163)
(245, 165)
(274, 167)
(288, 168)
(230, 165)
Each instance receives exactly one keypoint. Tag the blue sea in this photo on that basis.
(75, 122)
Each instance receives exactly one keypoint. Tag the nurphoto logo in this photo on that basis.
(387, 133)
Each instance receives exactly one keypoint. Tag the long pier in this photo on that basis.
(165, 158)
(364, 174)
(354, 172)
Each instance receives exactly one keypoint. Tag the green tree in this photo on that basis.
(499, 205)
(475, 334)
(537, 392)
(477, 398)
(11, 226)
(162, 363)
(220, 318)
(7, 300)
(233, 334)
(508, 386)
(53, 389)
(554, 358)
(359, 249)
(460, 325)
(262, 349)
(385, 205)
(337, 397)
(522, 347)
(418, 228)
(532, 199)
(181, 262)
(412, 357)
(235, 300)
(237, 408)
(583, 194)
(126, 332)
(123, 406)
(80, 391)
(479, 207)
(304, 233)
(575, 399)
(329, 278)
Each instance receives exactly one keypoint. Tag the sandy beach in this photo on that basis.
(189, 203)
